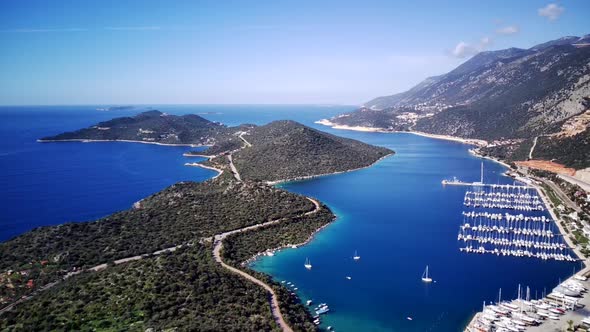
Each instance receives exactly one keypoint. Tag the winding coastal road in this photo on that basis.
(234, 170)
(217, 248)
(274, 302)
(244, 140)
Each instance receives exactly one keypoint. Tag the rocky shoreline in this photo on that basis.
(115, 140)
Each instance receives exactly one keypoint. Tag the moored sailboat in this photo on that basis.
(307, 264)
(425, 277)
(356, 256)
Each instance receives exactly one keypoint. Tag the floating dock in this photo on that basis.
(456, 182)
(489, 229)
(508, 220)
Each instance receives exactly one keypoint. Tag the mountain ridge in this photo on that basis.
(506, 96)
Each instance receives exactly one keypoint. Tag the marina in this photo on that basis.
(489, 229)
(389, 221)
(547, 313)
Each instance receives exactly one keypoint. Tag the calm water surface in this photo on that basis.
(396, 214)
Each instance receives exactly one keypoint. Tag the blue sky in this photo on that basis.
(296, 52)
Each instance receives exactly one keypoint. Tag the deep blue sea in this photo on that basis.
(396, 214)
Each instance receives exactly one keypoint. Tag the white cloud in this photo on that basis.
(138, 28)
(463, 49)
(552, 11)
(508, 30)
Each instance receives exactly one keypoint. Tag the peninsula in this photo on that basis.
(176, 258)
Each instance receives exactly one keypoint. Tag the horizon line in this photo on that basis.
(183, 104)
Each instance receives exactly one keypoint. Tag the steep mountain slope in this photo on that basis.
(448, 89)
(522, 97)
(573, 151)
(498, 95)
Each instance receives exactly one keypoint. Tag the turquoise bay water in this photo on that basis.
(396, 213)
(400, 218)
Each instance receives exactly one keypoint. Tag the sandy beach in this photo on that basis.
(477, 142)
(186, 154)
(219, 171)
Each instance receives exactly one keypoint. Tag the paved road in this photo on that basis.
(244, 140)
(573, 180)
(562, 196)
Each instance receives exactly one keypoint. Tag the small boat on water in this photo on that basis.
(356, 256)
(309, 302)
(322, 309)
(425, 277)
(307, 264)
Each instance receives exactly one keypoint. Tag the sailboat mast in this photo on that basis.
(481, 180)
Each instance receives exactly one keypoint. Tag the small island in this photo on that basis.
(178, 258)
(150, 127)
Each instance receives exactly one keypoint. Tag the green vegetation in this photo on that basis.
(185, 290)
(580, 238)
(182, 213)
(241, 247)
(552, 196)
(517, 150)
(155, 127)
(287, 150)
(573, 223)
(385, 119)
(571, 151)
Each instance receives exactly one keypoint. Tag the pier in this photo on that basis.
(508, 220)
(489, 229)
(456, 182)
